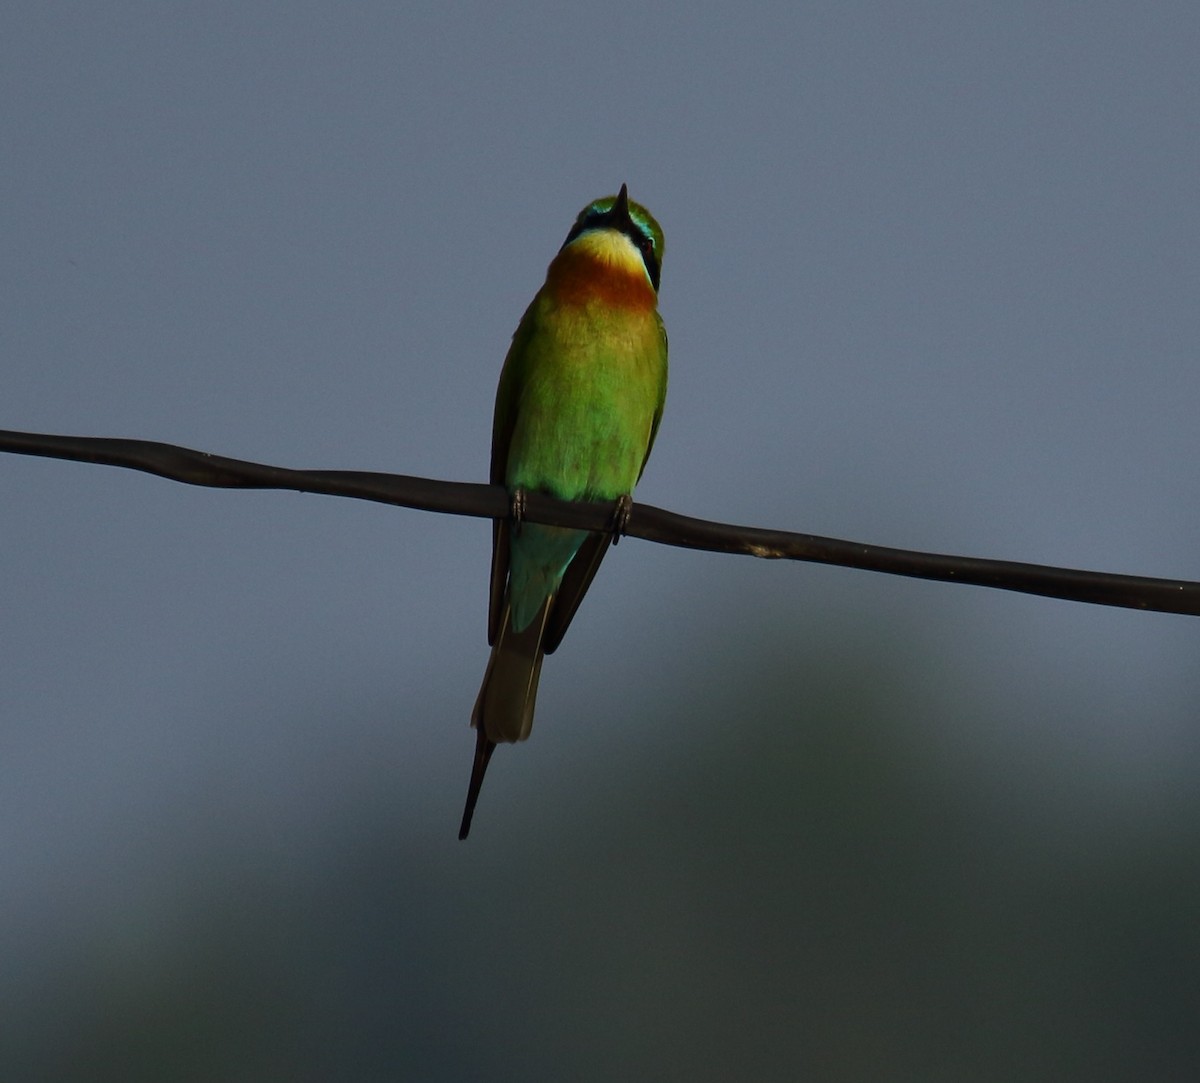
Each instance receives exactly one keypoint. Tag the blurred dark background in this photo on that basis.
(930, 281)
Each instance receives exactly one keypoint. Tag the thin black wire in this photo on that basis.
(647, 522)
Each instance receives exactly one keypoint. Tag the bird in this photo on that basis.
(578, 406)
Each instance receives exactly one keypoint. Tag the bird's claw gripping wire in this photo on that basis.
(516, 510)
(622, 513)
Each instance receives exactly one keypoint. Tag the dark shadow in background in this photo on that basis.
(796, 891)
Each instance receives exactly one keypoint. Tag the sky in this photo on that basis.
(930, 282)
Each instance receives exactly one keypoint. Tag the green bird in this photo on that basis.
(579, 402)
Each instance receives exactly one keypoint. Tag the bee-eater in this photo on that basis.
(580, 397)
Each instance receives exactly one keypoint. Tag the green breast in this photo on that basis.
(586, 386)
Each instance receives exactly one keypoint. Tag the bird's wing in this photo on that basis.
(575, 582)
(662, 395)
(512, 378)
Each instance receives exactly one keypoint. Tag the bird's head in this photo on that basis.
(617, 231)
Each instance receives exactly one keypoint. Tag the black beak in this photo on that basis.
(619, 214)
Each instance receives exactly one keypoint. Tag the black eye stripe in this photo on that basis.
(645, 245)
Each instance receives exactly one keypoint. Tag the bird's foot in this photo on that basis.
(622, 512)
(516, 510)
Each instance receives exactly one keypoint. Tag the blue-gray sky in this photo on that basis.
(931, 281)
